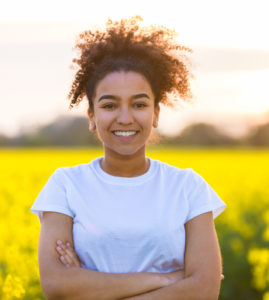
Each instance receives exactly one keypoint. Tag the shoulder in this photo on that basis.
(196, 177)
(63, 174)
(172, 170)
(172, 174)
(80, 168)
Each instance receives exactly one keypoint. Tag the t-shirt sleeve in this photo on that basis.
(53, 197)
(202, 198)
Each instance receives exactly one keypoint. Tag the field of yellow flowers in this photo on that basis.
(240, 178)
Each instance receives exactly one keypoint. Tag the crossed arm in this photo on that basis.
(65, 279)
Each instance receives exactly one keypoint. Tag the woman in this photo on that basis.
(126, 226)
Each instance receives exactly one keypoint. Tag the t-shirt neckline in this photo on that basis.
(96, 166)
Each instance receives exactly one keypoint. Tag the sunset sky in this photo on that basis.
(230, 59)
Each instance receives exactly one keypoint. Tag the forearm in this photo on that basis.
(79, 283)
(189, 288)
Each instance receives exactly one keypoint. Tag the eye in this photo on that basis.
(140, 105)
(109, 106)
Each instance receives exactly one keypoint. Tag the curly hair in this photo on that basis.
(126, 46)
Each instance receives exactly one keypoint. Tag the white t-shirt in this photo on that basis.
(128, 224)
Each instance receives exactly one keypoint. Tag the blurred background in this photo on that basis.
(223, 134)
(230, 64)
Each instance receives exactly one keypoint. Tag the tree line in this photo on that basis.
(74, 131)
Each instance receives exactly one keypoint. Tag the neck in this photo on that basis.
(125, 165)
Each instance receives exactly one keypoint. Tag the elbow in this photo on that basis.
(52, 289)
(208, 288)
(48, 289)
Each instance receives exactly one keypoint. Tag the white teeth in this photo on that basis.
(124, 133)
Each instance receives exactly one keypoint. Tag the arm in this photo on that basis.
(59, 282)
(203, 265)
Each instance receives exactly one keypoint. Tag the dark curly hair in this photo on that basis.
(125, 46)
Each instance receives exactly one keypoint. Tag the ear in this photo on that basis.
(92, 125)
(156, 116)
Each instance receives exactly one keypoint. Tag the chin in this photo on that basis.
(127, 152)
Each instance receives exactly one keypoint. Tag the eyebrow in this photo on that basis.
(116, 98)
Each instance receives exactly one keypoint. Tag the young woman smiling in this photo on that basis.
(126, 226)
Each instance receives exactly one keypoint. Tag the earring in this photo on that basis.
(91, 126)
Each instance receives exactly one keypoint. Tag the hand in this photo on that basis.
(175, 276)
(67, 255)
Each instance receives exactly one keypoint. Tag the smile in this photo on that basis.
(124, 133)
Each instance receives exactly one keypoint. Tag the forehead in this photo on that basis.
(123, 82)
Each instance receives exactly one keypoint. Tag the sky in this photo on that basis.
(230, 58)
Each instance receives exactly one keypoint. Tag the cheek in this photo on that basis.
(145, 119)
(103, 120)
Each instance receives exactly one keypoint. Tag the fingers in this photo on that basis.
(69, 258)
(67, 254)
(64, 256)
(73, 255)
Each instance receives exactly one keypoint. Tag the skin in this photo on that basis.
(126, 111)
(122, 110)
(69, 258)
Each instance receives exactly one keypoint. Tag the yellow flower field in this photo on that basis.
(240, 178)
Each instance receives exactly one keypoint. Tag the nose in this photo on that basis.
(125, 116)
